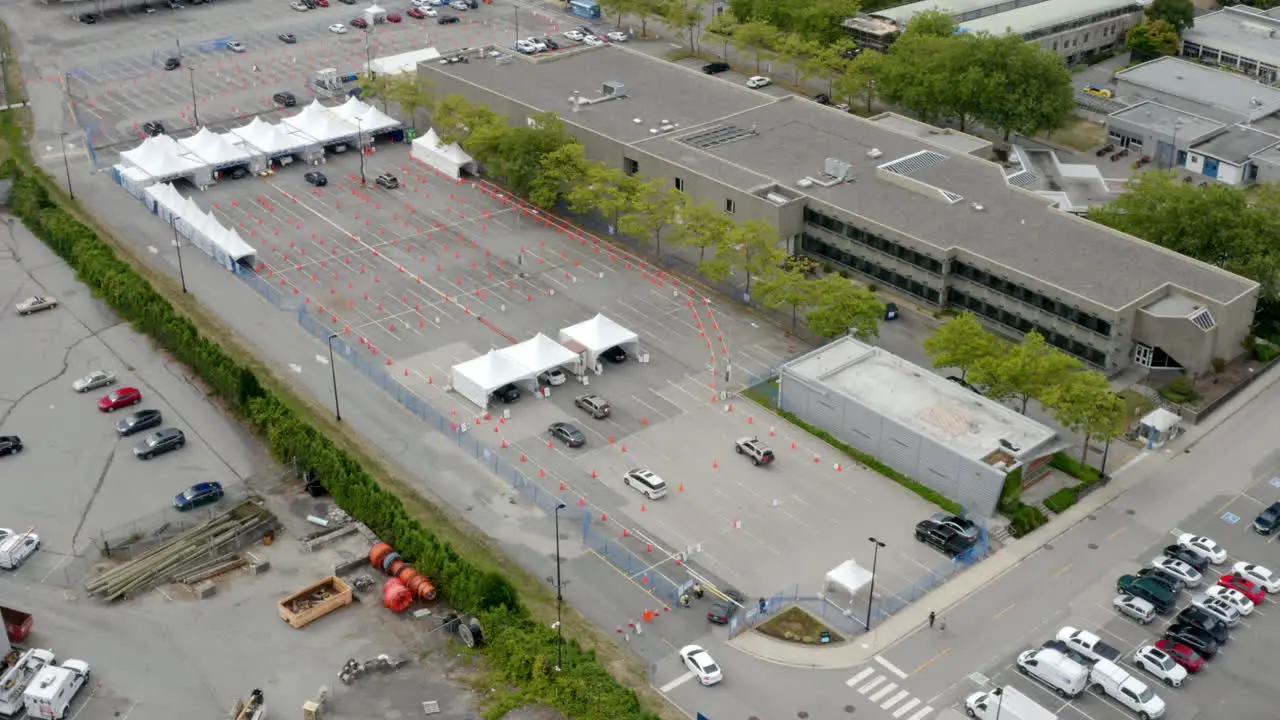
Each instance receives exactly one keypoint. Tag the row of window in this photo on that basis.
(1081, 22)
(1267, 72)
(1106, 32)
(870, 269)
(884, 245)
(978, 306)
(1023, 294)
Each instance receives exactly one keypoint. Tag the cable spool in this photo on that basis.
(406, 572)
(395, 596)
(396, 566)
(386, 562)
(378, 553)
(471, 633)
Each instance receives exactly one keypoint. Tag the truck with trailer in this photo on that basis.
(1005, 703)
(53, 688)
(310, 604)
(15, 680)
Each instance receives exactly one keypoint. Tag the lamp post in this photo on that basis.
(368, 58)
(66, 164)
(195, 107)
(333, 373)
(999, 693)
(559, 596)
(360, 147)
(177, 244)
(875, 557)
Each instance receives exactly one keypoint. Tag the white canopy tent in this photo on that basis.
(319, 124)
(351, 109)
(539, 354)
(599, 334)
(476, 379)
(213, 149)
(373, 121)
(269, 140)
(450, 159)
(165, 201)
(134, 179)
(1159, 427)
(403, 62)
(204, 231)
(375, 14)
(848, 576)
(162, 158)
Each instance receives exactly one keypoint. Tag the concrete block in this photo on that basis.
(259, 567)
(205, 590)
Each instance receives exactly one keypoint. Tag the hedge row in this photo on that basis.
(1061, 500)
(520, 650)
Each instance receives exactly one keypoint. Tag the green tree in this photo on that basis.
(1153, 38)
(805, 56)
(1181, 14)
(1022, 87)
(858, 84)
(917, 75)
(654, 206)
(702, 226)
(562, 168)
(516, 154)
(646, 10)
(410, 94)
(686, 15)
(962, 343)
(752, 248)
(757, 38)
(1084, 404)
(605, 189)
(840, 307)
(617, 8)
(376, 86)
(1027, 370)
(931, 23)
(789, 289)
(721, 30)
(455, 119)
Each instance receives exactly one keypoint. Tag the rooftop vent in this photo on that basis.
(716, 136)
(1009, 446)
(1203, 319)
(976, 207)
(610, 90)
(874, 153)
(914, 162)
(834, 172)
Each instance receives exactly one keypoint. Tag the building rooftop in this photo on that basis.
(1193, 82)
(943, 411)
(1237, 144)
(946, 137)
(1239, 31)
(766, 140)
(1032, 19)
(956, 8)
(1164, 119)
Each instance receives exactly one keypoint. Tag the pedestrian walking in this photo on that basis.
(931, 619)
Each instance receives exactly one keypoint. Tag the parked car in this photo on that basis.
(507, 394)
(153, 128)
(417, 13)
(160, 442)
(298, 5)
(1158, 595)
(172, 63)
(546, 40)
(316, 178)
(94, 380)
(554, 377)
(1160, 665)
(592, 41)
(1268, 520)
(964, 526)
(645, 482)
(721, 612)
(197, 495)
(1234, 597)
(1203, 546)
(1174, 583)
(1198, 617)
(459, 5)
(338, 29)
(236, 46)
(1219, 608)
(288, 38)
(88, 18)
(394, 17)
(576, 35)
(1178, 569)
(618, 36)
(758, 81)
(359, 22)
(1102, 92)
(386, 181)
(139, 421)
(124, 397)
(715, 68)
(822, 99)
(1135, 607)
(1258, 575)
(36, 304)
(447, 19)
(701, 665)
(891, 311)
(1181, 654)
(285, 99)
(1194, 559)
(10, 445)
(1244, 586)
(942, 538)
(568, 434)
(594, 405)
(1194, 638)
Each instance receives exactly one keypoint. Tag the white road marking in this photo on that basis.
(921, 715)
(906, 707)
(883, 691)
(859, 677)
(676, 683)
(871, 685)
(894, 700)
(890, 667)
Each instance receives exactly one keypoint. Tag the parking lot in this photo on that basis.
(1235, 682)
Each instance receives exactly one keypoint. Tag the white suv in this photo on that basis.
(645, 482)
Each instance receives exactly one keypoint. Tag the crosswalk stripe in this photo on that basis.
(921, 715)
(906, 707)
(858, 678)
(883, 691)
(874, 682)
(894, 700)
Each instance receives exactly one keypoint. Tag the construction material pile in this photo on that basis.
(386, 559)
(198, 554)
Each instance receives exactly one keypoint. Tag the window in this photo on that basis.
(679, 183)
(1031, 297)
(836, 255)
(730, 206)
(629, 166)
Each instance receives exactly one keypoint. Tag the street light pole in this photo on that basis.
(333, 373)
(177, 244)
(999, 693)
(559, 596)
(360, 147)
(875, 557)
(195, 107)
(66, 164)
(368, 59)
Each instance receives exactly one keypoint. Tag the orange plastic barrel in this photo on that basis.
(414, 583)
(396, 566)
(395, 596)
(379, 553)
(426, 591)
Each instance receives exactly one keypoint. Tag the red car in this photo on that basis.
(359, 22)
(415, 13)
(124, 397)
(1181, 654)
(322, 3)
(393, 17)
(1246, 587)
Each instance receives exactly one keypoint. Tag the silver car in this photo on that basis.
(94, 380)
(36, 304)
(1218, 608)
(1135, 607)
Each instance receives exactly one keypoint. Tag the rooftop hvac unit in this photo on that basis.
(838, 169)
(777, 199)
(874, 153)
(613, 88)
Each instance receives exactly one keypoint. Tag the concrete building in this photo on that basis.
(1240, 37)
(1074, 29)
(936, 432)
(911, 211)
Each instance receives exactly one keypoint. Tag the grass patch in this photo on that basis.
(1136, 405)
(797, 626)
(1078, 134)
(1086, 474)
(1061, 500)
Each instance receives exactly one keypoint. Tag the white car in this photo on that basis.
(576, 35)
(299, 6)
(421, 3)
(94, 380)
(459, 5)
(554, 377)
(1160, 665)
(537, 44)
(618, 36)
(1204, 547)
(16, 547)
(430, 12)
(338, 29)
(592, 40)
(1219, 608)
(36, 304)
(700, 664)
(526, 47)
(1261, 576)
(1178, 569)
(236, 46)
(758, 81)
(1234, 597)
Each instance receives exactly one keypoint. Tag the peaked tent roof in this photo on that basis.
(351, 109)
(268, 138)
(539, 353)
(319, 123)
(493, 369)
(161, 157)
(165, 195)
(213, 148)
(374, 120)
(599, 333)
(453, 151)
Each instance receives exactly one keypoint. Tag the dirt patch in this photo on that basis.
(797, 626)
(1212, 386)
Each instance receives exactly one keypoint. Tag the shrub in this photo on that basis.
(1219, 364)
(1061, 500)
(1265, 351)
(1073, 467)
(1182, 390)
(1025, 519)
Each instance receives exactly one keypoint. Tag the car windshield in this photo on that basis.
(191, 494)
(1145, 696)
(154, 440)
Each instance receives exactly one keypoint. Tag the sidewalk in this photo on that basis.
(863, 648)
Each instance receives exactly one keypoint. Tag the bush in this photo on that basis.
(1219, 364)
(1061, 500)
(1265, 351)
(1182, 390)
(1073, 467)
(520, 650)
(1024, 519)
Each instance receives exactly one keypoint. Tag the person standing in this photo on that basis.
(932, 617)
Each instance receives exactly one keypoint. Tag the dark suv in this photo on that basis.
(139, 421)
(1267, 520)
(160, 442)
(715, 68)
(1197, 617)
(285, 99)
(1153, 592)
(942, 537)
(172, 63)
(1156, 575)
(507, 393)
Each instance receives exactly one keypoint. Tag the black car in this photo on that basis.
(316, 178)
(1267, 520)
(1197, 617)
(285, 99)
(88, 18)
(347, 2)
(288, 38)
(721, 612)
(172, 63)
(238, 173)
(891, 311)
(507, 393)
(197, 495)
(10, 444)
(1194, 559)
(943, 538)
(1194, 638)
(615, 355)
(551, 44)
(568, 434)
(822, 99)
(715, 68)
(1156, 575)
(964, 526)
(139, 421)
(447, 19)
(153, 128)
(851, 53)
(159, 443)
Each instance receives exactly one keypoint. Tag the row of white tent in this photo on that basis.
(522, 363)
(199, 227)
(198, 158)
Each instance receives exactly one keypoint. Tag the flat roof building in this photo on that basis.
(1239, 37)
(937, 432)
(879, 198)
(1200, 89)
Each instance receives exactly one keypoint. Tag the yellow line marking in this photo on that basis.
(931, 660)
(1002, 612)
(1113, 535)
(1063, 570)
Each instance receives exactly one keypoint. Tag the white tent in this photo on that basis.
(351, 109)
(599, 334)
(161, 157)
(375, 14)
(476, 379)
(318, 123)
(848, 576)
(374, 120)
(213, 149)
(269, 139)
(449, 159)
(1159, 427)
(134, 179)
(539, 354)
(165, 201)
(403, 62)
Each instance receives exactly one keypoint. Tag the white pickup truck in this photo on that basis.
(1087, 644)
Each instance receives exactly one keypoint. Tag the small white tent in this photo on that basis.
(375, 14)
(449, 159)
(476, 379)
(848, 576)
(599, 334)
(539, 354)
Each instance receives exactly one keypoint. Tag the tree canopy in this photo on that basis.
(1181, 14)
(1152, 38)
(818, 20)
(1031, 369)
(841, 307)
(961, 343)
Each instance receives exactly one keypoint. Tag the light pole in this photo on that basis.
(559, 596)
(66, 164)
(333, 373)
(999, 693)
(360, 147)
(875, 557)
(177, 244)
(195, 107)
(368, 59)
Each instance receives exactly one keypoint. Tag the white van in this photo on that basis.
(1005, 703)
(1064, 675)
(51, 692)
(16, 547)
(1107, 677)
